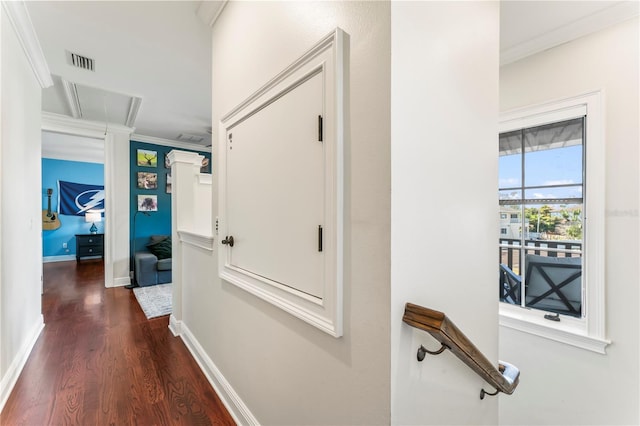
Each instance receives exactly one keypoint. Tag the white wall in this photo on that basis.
(20, 217)
(284, 370)
(562, 384)
(444, 116)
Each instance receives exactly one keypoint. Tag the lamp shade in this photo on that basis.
(92, 217)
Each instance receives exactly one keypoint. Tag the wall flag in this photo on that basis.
(76, 198)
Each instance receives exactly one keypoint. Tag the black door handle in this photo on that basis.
(228, 240)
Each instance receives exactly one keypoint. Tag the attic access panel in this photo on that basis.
(275, 190)
(280, 197)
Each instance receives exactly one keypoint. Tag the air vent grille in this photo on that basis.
(184, 137)
(83, 62)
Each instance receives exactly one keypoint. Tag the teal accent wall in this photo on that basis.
(70, 171)
(158, 222)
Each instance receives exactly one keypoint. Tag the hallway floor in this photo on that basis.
(99, 361)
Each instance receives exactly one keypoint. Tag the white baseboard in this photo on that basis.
(175, 326)
(13, 372)
(119, 282)
(237, 408)
(63, 258)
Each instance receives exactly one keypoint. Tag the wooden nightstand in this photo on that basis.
(89, 245)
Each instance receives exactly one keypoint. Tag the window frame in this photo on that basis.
(588, 332)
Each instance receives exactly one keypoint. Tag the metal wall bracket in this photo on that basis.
(484, 392)
(422, 351)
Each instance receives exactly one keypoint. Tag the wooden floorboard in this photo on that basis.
(99, 361)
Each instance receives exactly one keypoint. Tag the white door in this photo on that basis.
(275, 190)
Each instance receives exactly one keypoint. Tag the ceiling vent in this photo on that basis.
(80, 61)
(184, 137)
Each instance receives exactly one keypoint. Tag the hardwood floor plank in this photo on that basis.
(99, 361)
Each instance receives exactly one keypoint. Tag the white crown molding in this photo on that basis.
(608, 17)
(71, 96)
(134, 107)
(209, 11)
(21, 22)
(167, 142)
(64, 124)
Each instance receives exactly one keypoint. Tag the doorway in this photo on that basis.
(73, 188)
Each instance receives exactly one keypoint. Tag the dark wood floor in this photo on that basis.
(99, 361)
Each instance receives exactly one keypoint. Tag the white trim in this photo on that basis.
(229, 397)
(175, 326)
(71, 96)
(63, 258)
(608, 17)
(204, 178)
(326, 313)
(63, 124)
(107, 132)
(196, 240)
(209, 11)
(21, 22)
(167, 142)
(13, 372)
(588, 332)
(192, 158)
(540, 115)
(134, 107)
(119, 282)
(564, 332)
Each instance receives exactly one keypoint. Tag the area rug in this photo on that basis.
(155, 300)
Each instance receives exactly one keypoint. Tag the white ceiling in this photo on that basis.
(72, 148)
(158, 51)
(153, 58)
(529, 27)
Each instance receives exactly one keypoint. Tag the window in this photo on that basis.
(541, 178)
(551, 171)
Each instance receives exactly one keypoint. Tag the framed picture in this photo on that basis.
(147, 203)
(204, 168)
(147, 180)
(166, 161)
(146, 158)
(168, 187)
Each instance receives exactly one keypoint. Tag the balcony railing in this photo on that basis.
(509, 250)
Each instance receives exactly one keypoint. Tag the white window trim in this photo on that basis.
(587, 332)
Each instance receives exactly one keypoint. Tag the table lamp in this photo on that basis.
(93, 217)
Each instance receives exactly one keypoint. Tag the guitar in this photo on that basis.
(50, 220)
